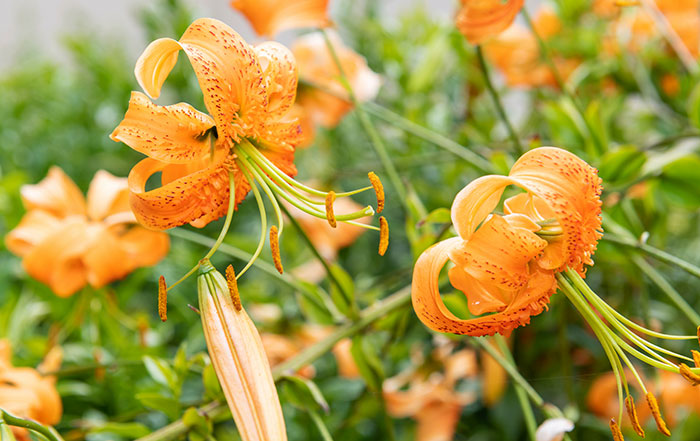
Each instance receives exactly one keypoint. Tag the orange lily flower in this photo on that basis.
(269, 17)
(431, 398)
(317, 67)
(67, 242)
(248, 141)
(27, 393)
(506, 266)
(280, 348)
(517, 55)
(480, 20)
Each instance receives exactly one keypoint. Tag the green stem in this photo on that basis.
(367, 125)
(49, 432)
(321, 426)
(528, 414)
(431, 136)
(519, 149)
(378, 310)
(229, 215)
(319, 257)
(656, 253)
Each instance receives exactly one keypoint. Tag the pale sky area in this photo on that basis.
(39, 24)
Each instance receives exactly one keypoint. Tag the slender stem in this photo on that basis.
(431, 136)
(263, 222)
(379, 309)
(319, 257)
(667, 288)
(656, 253)
(49, 432)
(671, 36)
(517, 146)
(528, 414)
(544, 50)
(229, 215)
(320, 425)
(368, 126)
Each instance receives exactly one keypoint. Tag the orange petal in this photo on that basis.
(173, 134)
(56, 193)
(571, 188)
(34, 227)
(107, 195)
(434, 314)
(199, 197)
(154, 65)
(106, 261)
(280, 76)
(475, 201)
(269, 17)
(438, 421)
(144, 247)
(479, 20)
(57, 260)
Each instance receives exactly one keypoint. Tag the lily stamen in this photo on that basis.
(233, 287)
(615, 429)
(383, 235)
(378, 190)
(696, 358)
(632, 414)
(656, 413)
(162, 299)
(275, 248)
(330, 198)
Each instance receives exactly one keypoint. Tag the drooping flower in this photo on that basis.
(432, 398)
(325, 98)
(28, 393)
(67, 242)
(506, 266)
(239, 359)
(269, 17)
(509, 265)
(247, 143)
(517, 55)
(480, 20)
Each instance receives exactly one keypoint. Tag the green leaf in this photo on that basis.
(316, 304)
(680, 181)
(304, 393)
(694, 106)
(160, 371)
(438, 216)
(153, 400)
(131, 430)
(6, 433)
(197, 422)
(212, 388)
(180, 362)
(368, 363)
(622, 165)
(343, 300)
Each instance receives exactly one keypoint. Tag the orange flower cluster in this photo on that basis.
(480, 20)
(325, 101)
(506, 264)
(67, 242)
(516, 53)
(632, 30)
(26, 393)
(269, 17)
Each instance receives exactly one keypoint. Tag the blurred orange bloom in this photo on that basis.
(516, 53)
(26, 393)
(67, 242)
(269, 17)
(280, 348)
(431, 398)
(632, 31)
(506, 264)
(676, 395)
(248, 91)
(480, 20)
(316, 66)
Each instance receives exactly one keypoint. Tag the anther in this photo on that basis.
(233, 287)
(632, 413)
(696, 358)
(162, 299)
(378, 189)
(698, 334)
(656, 413)
(275, 248)
(383, 235)
(615, 429)
(688, 374)
(330, 198)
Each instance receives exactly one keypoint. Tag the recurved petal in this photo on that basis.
(175, 134)
(199, 195)
(228, 73)
(280, 76)
(56, 193)
(475, 201)
(57, 260)
(155, 63)
(431, 310)
(34, 227)
(269, 17)
(144, 247)
(105, 260)
(479, 20)
(438, 420)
